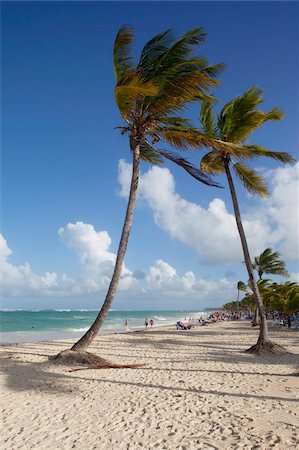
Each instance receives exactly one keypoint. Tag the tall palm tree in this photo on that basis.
(268, 262)
(241, 286)
(149, 95)
(228, 134)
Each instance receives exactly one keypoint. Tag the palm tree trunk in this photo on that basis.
(256, 318)
(89, 336)
(263, 336)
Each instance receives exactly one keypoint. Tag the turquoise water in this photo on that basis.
(34, 325)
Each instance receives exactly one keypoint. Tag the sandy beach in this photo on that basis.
(196, 391)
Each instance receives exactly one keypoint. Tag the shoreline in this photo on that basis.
(49, 334)
(196, 390)
(69, 335)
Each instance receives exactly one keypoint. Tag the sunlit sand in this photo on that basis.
(198, 390)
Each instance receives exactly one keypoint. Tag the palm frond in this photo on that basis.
(239, 117)
(174, 121)
(275, 114)
(269, 262)
(183, 138)
(253, 182)
(284, 157)
(212, 163)
(131, 89)
(180, 88)
(149, 154)
(208, 118)
(181, 49)
(153, 50)
(215, 70)
(196, 173)
(123, 61)
(241, 286)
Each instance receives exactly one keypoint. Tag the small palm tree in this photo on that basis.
(149, 96)
(268, 262)
(241, 286)
(228, 135)
(284, 297)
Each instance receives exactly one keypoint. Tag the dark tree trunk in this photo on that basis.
(89, 336)
(263, 343)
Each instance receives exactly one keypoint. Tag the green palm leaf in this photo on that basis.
(212, 163)
(196, 173)
(181, 50)
(152, 51)
(183, 138)
(253, 182)
(132, 89)
(240, 117)
(257, 151)
(123, 61)
(208, 118)
(269, 262)
(149, 154)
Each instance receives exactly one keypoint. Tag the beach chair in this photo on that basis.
(183, 326)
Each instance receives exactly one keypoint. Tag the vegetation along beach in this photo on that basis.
(149, 246)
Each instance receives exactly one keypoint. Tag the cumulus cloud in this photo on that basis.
(21, 280)
(212, 231)
(159, 283)
(282, 208)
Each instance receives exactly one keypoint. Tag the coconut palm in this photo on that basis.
(228, 135)
(149, 95)
(241, 286)
(268, 262)
(283, 297)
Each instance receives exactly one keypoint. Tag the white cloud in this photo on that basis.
(212, 231)
(21, 280)
(159, 283)
(283, 208)
(91, 246)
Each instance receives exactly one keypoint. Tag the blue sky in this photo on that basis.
(61, 156)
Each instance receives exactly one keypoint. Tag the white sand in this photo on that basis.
(197, 391)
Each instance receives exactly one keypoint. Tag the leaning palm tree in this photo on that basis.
(149, 95)
(228, 135)
(241, 286)
(268, 262)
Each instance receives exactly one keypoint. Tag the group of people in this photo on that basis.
(146, 322)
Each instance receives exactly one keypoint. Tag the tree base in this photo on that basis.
(267, 348)
(91, 361)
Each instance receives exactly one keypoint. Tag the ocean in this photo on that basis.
(41, 324)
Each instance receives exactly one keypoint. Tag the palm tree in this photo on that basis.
(149, 95)
(228, 135)
(241, 286)
(284, 297)
(268, 262)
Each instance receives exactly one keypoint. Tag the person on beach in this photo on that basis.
(146, 323)
(126, 323)
(151, 322)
